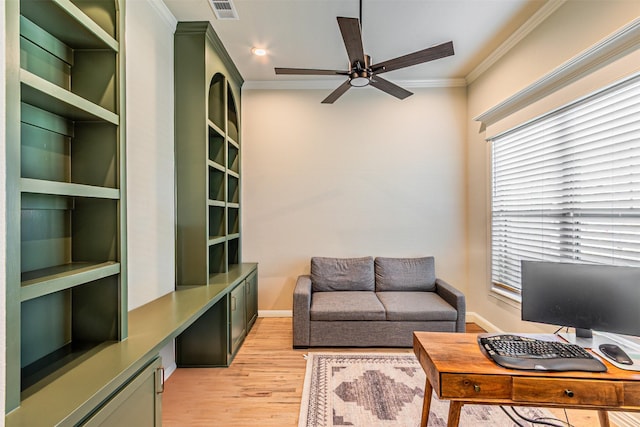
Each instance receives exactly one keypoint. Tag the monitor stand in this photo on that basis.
(582, 337)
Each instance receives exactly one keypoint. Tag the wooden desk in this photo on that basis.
(459, 372)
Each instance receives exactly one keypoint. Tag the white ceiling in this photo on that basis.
(305, 33)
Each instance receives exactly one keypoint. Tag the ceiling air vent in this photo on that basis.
(224, 9)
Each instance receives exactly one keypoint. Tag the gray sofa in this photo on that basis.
(362, 302)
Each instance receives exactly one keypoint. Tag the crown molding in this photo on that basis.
(461, 82)
(164, 12)
(543, 13)
(332, 84)
(611, 48)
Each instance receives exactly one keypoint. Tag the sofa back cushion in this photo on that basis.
(405, 274)
(342, 274)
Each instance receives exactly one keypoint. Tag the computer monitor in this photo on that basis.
(587, 297)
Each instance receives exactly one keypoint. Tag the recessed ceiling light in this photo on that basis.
(258, 51)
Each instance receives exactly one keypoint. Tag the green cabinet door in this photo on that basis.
(137, 404)
(251, 288)
(238, 317)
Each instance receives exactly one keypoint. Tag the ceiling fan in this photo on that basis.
(361, 72)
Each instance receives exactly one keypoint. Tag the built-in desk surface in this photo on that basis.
(70, 397)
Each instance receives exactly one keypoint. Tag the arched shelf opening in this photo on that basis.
(216, 100)
(232, 116)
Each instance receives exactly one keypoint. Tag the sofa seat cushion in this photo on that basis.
(405, 274)
(342, 274)
(346, 305)
(412, 306)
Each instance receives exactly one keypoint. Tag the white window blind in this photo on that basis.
(566, 187)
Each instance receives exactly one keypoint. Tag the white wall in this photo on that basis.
(574, 27)
(150, 157)
(3, 243)
(368, 175)
(150, 154)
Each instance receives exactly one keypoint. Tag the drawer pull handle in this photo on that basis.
(568, 393)
(160, 379)
(476, 387)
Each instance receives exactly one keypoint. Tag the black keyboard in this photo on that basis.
(518, 352)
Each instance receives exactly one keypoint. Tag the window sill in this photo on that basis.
(511, 298)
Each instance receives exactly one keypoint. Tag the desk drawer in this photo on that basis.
(475, 386)
(631, 394)
(567, 391)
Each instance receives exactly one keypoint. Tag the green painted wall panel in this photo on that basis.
(94, 154)
(44, 154)
(102, 13)
(46, 326)
(45, 238)
(95, 230)
(94, 311)
(94, 77)
(204, 343)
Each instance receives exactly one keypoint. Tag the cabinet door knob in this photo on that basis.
(476, 388)
(568, 393)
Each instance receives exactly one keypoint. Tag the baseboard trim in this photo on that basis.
(471, 317)
(275, 313)
(168, 370)
(482, 322)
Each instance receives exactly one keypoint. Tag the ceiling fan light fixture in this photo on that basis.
(359, 78)
(359, 82)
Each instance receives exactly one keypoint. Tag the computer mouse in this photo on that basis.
(614, 352)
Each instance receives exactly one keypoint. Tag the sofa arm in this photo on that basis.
(301, 311)
(456, 299)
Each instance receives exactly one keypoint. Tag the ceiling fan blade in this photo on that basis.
(425, 55)
(350, 29)
(310, 71)
(333, 96)
(390, 88)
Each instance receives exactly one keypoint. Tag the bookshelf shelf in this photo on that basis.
(49, 280)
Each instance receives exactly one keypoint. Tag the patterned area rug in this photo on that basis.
(382, 389)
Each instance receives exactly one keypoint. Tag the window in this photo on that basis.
(566, 186)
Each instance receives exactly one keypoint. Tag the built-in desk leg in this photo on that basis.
(454, 413)
(604, 418)
(426, 403)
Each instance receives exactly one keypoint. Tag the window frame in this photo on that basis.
(514, 292)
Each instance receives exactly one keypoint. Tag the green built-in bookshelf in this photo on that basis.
(66, 269)
(208, 185)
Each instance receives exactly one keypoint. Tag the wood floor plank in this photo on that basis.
(263, 385)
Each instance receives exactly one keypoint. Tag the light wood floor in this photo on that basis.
(263, 385)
